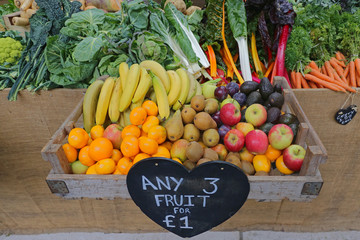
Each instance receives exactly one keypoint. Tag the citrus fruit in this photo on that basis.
(100, 148)
(148, 145)
(149, 122)
(167, 144)
(116, 172)
(158, 133)
(131, 130)
(78, 138)
(96, 131)
(280, 165)
(116, 155)
(138, 116)
(105, 166)
(150, 107)
(162, 152)
(70, 152)
(91, 170)
(84, 157)
(272, 154)
(177, 160)
(261, 163)
(124, 165)
(140, 156)
(130, 146)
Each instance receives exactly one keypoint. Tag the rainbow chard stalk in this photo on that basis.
(237, 19)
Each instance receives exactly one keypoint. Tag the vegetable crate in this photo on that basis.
(10, 26)
(304, 186)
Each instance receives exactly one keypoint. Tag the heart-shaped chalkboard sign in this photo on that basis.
(184, 202)
(344, 116)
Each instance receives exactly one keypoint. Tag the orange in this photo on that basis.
(84, 157)
(167, 144)
(272, 154)
(158, 133)
(138, 116)
(78, 138)
(117, 171)
(149, 122)
(70, 152)
(105, 166)
(143, 134)
(124, 165)
(148, 145)
(162, 152)
(140, 156)
(150, 107)
(177, 160)
(261, 163)
(130, 146)
(89, 141)
(100, 148)
(131, 130)
(96, 131)
(116, 155)
(91, 170)
(280, 165)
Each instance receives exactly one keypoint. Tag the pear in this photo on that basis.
(188, 114)
(211, 105)
(203, 121)
(174, 127)
(191, 133)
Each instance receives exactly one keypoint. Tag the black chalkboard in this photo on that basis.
(187, 203)
(344, 116)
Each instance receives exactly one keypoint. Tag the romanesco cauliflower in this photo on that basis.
(10, 51)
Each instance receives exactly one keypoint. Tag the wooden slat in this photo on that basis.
(302, 134)
(313, 158)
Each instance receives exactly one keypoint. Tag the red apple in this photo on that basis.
(256, 114)
(256, 142)
(221, 151)
(244, 127)
(234, 140)
(245, 155)
(230, 114)
(294, 156)
(280, 136)
(113, 133)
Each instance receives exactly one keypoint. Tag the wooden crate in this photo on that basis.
(10, 26)
(304, 186)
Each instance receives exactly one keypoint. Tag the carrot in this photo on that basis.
(326, 84)
(227, 51)
(357, 65)
(352, 74)
(312, 84)
(331, 80)
(329, 69)
(212, 60)
(338, 78)
(304, 83)
(339, 62)
(338, 56)
(357, 79)
(298, 80)
(337, 67)
(323, 70)
(312, 64)
(268, 71)
(292, 78)
(346, 71)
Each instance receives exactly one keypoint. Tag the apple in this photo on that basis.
(230, 114)
(280, 136)
(230, 100)
(234, 140)
(294, 156)
(245, 155)
(78, 168)
(256, 142)
(221, 151)
(244, 127)
(113, 133)
(256, 114)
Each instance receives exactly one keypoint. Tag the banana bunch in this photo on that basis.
(114, 98)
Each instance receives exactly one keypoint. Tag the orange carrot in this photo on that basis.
(357, 65)
(323, 70)
(340, 63)
(312, 84)
(329, 69)
(312, 64)
(338, 78)
(337, 67)
(270, 68)
(338, 56)
(298, 80)
(357, 79)
(346, 71)
(326, 84)
(304, 83)
(292, 78)
(352, 74)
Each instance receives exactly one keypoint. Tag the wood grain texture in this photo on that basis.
(27, 206)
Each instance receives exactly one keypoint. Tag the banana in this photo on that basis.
(104, 100)
(131, 84)
(198, 88)
(192, 89)
(137, 104)
(175, 87)
(123, 72)
(126, 116)
(151, 95)
(185, 84)
(161, 97)
(143, 87)
(122, 120)
(159, 71)
(90, 103)
(114, 112)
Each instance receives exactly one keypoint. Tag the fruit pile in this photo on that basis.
(151, 112)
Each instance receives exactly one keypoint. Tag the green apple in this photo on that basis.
(78, 168)
(230, 100)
